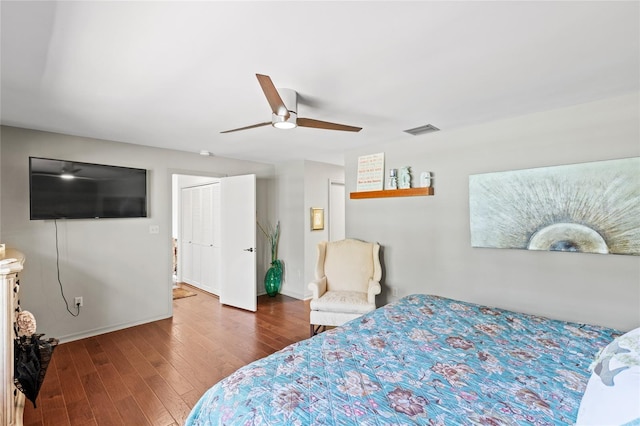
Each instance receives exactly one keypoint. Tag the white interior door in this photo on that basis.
(336, 211)
(238, 242)
(185, 252)
(206, 263)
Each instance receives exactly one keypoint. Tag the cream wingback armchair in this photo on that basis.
(347, 281)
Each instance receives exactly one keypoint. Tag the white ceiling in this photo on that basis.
(176, 74)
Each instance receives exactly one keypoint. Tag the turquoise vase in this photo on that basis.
(273, 278)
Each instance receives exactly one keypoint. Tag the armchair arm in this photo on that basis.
(318, 287)
(374, 288)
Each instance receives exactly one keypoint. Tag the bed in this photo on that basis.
(421, 360)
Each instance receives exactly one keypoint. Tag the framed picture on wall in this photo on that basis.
(370, 172)
(317, 219)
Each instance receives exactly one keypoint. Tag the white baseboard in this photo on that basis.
(97, 331)
(293, 294)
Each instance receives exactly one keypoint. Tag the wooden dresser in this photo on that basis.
(12, 399)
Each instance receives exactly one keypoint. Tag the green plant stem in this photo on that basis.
(273, 236)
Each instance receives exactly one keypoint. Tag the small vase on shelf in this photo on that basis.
(404, 177)
(393, 179)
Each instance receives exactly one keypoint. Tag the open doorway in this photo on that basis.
(214, 233)
(196, 232)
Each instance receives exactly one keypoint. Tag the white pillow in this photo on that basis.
(612, 396)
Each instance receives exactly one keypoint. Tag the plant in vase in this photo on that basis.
(273, 277)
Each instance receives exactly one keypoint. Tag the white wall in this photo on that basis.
(426, 243)
(1, 237)
(289, 210)
(301, 185)
(316, 194)
(122, 271)
(337, 199)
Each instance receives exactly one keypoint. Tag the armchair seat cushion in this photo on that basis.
(353, 302)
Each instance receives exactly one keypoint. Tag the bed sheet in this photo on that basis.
(421, 360)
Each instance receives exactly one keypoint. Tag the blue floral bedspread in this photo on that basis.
(421, 360)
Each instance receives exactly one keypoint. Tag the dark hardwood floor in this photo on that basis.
(154, 373)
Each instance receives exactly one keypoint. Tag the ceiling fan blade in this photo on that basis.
(266, 123)
(273, 97)
(317, 124)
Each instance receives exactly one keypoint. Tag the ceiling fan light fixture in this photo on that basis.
(284, 125)
(280, 122)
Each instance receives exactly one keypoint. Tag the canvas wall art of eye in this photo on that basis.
(589, 208)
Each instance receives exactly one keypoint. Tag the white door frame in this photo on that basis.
(174, 200)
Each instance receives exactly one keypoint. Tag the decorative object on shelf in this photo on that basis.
(425, 180)
(273, 277)
(393, 179)
(588, 208)
(404, 177)
(370, 172)
(317, 219)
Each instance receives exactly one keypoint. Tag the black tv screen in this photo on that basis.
(60, 189)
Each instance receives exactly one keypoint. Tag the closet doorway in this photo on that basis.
(197, 232)
(214, 234)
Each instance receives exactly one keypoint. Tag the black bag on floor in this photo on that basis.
(32, 357)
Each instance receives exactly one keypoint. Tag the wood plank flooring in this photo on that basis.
(154, 373)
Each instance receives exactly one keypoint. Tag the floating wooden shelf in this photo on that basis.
(410, 192)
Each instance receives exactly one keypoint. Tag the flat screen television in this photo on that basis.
(60, 189)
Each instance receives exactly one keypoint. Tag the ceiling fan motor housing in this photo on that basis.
(290, 99)
(283, 123)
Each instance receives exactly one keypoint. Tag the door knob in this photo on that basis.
(250, 249)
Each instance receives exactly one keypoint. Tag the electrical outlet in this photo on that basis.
(78, 301)
(394, 291)
(154, 229)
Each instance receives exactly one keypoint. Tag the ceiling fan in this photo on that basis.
(284, 107)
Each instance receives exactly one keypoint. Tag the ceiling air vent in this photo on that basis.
(427, 128)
